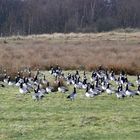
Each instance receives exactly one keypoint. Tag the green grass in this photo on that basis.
(104, 117)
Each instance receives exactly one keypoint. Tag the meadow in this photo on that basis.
(117, 50)
(56, 117)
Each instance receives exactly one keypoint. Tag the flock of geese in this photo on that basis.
(101, 81)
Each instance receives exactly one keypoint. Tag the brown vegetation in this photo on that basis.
(119, 51)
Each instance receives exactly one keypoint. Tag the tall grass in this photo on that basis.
(83, 51)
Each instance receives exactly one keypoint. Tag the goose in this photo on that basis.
(120, 93)
(98, 74)
(108, 89)
(78, 84)
(121, 90)
(98, 88)
(93, 76)
(77, 73)
(122, 78)
(40, 88)
(23, 90)
(138, 91)
(69, 82)
(59, 71)
(29, 84)
(89, 93)
(84, 84)
(112, 76)
(44, 81)
(17, 81)
(26, 84)
(37, 95)
(73, 95)
(104, 85)
(42, 91)
(49, 89)
(51, 70)
(56, 71)
(93, 90)
(10, 83)
(35, 80)
(68, 79)
(73, 79)
(5, 80)
(128, 82)
(61, 88)
(129, 92)
(84, 76)
(91, 87)
(30, 78)
(118, 81)
(138, 80)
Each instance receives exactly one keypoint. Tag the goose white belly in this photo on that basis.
(41, 94)
(73, 82)
(103, 87)
(87, 94)
(48, 90)
(138, 92)
(61, 89)
(22, 90)
(129, 93)
(5, 81)
(93, 91)
(42, 91)
(112, 78)
(10, 83)
(69, 82)
(119, 95)
(17, 84)
(138, 82)
(84, 86)
(109, 91)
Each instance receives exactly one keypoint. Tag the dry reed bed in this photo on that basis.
(84, 51)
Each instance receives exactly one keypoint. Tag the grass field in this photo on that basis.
(117, 50)
(103, 117)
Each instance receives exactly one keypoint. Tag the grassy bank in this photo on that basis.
(55, 117)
